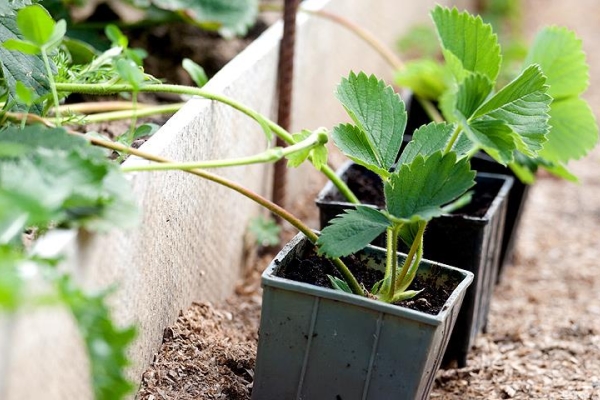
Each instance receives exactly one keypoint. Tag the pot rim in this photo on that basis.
(270, 279)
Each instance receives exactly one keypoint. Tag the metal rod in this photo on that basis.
(284, 87)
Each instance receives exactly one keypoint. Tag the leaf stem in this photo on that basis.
(267, 124)
(101, 106)
(52, 85)
(104, 89)
(472, 152)
(129, 113)
(416, 244)
(431, 111)
(391, 262)
(453, 139)
(340, 185)
(388, 55)
(318, 138)
(269, 205)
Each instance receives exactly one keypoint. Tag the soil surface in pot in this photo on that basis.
(543, 339)
(313, 270)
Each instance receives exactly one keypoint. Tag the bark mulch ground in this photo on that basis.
(543, 340)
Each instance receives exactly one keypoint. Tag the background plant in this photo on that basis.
(463, 86)
(50, 179)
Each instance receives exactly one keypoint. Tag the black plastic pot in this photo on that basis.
(481, 162)
(470, 238)
(517, 199)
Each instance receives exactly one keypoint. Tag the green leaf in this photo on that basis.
(196, 72)
(59, 178)
(81, 52)
(351, 231)
(355, 145)
(574, 131)
(36, 24)
(405, 295)
(561, 171)
(523, 105)
(467, 42)
(378, 112)
(494, 137)
(339, 284)
(265, 230)
(427, 140)
(144, 130)
(229, 17)
(20, 67)
(319, 153)
(559, 53)
(472, 92)
(319, 156)
(11, 281)
(426, 78)
(106, 343)
(22, 46)
(116, 36)
(130, 72)
(33, 138)
(24, 94)
(418, 190)
(60, 29)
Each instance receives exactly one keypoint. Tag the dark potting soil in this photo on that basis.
(313, 269)
(367, 186)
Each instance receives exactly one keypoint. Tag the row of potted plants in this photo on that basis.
(421, 182)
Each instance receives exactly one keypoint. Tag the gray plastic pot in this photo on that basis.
(467, 241)
(318, 343)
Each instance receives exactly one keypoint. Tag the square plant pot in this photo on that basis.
(517, 199)
(319, 343)
(481, 162)
(469, 238)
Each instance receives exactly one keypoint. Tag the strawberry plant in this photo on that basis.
(422, 185)
(554, 76)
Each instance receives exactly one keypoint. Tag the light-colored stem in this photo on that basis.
(52, 85)
(101, 106)
(388, 55)
(103, 89)
(431, 111)
(391, 264)
(129, 113)
(418, 242)
(274, 208)
(131, 134)
(453, 139)
(340, 185)
(268, 156)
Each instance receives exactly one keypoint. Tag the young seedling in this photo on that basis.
(417, 188)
